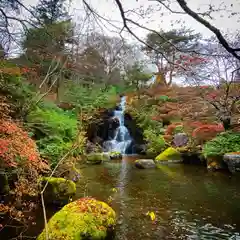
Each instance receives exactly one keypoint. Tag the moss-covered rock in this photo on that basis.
(115, 155)
(97, 158)
(85, 218)
(58, 190)
(169, 155)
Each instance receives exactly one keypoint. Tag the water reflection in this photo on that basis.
(189, 202)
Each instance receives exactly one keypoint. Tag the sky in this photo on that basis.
(153, 18)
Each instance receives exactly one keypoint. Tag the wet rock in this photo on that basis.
(180, 139)
(97, 158)
(215, 163)
(58, 190)
(4, 186)
(233, 161)
(92, 147)
(145, 163)
(85, 218)
(170, 155)
(115, 155)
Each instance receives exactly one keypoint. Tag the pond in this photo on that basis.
(188, 201)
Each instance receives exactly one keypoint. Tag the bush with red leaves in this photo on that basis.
(171, 128)
(16, 147)
(207, 132)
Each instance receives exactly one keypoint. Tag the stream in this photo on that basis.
(189, 202)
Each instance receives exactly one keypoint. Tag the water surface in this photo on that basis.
(188, 201)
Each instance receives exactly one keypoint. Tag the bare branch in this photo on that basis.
(212, 28)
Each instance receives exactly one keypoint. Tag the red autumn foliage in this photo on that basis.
(170, 129)
(16, 146)
(207, 132)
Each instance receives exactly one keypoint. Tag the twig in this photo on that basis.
(45, 186)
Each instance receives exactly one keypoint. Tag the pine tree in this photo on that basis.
(50, 11)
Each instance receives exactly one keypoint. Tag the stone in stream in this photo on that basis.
(180, 139)
(233, 161)
(58, 190)
(85, 218)
(145, 163)
(97, 158)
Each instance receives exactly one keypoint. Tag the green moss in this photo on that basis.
(97, 158)
(169, 154)
(85, 218)
(58, 189)
(115, 155)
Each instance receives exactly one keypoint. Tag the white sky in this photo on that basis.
(154, 20)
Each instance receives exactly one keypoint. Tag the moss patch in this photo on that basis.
(58, 189)
(85, 218)
(170, 154)
(97, 158)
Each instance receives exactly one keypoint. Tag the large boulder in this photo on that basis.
(233, 161)
(59, 190)
(145, 163)
(170, 155)
(85, 218)
(97, 158)
(180, 139)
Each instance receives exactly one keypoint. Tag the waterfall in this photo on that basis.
(122, 139)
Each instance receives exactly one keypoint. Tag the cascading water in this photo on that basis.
(122, 138)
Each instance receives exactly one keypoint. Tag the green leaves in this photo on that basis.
(224, 143)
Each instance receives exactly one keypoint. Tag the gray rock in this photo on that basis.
(145, 163)
(233, 161)
(180, 139)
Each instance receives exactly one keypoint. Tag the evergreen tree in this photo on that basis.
(50, 11)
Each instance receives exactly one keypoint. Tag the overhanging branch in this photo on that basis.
(212, 28)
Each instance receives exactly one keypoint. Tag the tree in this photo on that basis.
(135, 76)
(50, 11)
(47, 41)
(216, 82)
(161, 46)
(114, 54)
(88, 67)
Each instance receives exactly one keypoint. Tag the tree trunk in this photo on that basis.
(226, 123)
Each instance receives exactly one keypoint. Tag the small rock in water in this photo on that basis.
(145, 163)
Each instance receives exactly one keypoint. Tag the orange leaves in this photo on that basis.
(15, 144)
(170, 129)
(207, 132)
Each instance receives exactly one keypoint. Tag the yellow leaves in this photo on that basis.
(114, 190)
(151, 215)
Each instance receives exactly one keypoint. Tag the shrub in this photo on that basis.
(16, 147)
(21, 165)
(13, 86)
(224, 143)
(207, 132)
(55, 131)
(174, 128)
(156, 142)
